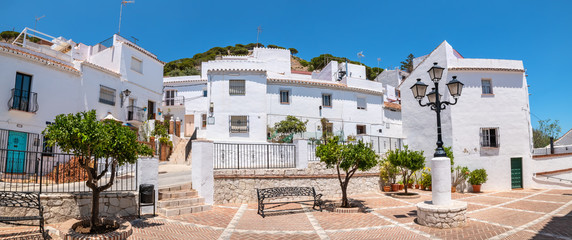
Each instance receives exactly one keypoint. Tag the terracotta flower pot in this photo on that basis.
(421, 187)
(477, 188)
(386, 188)
(410, 185)
(395, 187)
(416, 186)
(400, 186)
(429, 188)
(453, 189)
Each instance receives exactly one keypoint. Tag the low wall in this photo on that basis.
(59, 207)
(239, 186)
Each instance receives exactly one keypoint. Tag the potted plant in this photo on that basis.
(384, 177)
(400, 183)
(100, 148)
(476, 178)
(459, 176)
(426, 178)
(349, 158)
(410, 183)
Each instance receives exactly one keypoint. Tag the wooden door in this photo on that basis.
(189, 125)
(516, 172)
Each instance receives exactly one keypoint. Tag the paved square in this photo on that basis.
(519, 214)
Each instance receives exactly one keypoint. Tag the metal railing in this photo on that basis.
(254, 156)
(176, 101)
(29, 171)
(23, 100)
(379, 144)
(547, 151)
(189, 145)
(135, 114)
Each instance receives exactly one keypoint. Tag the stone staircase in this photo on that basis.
(178, 155)
(180, 199)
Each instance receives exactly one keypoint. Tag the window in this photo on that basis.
(361, 104)
(136, 65)
(205, 93)
(327, 100)
(236, 87)
(490, 137)
(150, 110)
(238, 124)
(360, 129)
(22, 92)
(487, 86)
(170, 97)
(284, 96)
(203, 120)
(106, 95)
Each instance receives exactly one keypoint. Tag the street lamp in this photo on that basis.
(124, 94)
(419, 88)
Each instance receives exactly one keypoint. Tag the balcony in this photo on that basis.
(174, 102)
(135, 114)
(22, 100)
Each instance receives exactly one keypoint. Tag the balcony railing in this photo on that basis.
(176, 101)
(135, 114)
(23, 100)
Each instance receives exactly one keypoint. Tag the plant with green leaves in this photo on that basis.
(546, 129)
(449, 152)
(100, 148)
(291, 125)
(461, 174)
(478, 177)
(349, 158)
(408, 162)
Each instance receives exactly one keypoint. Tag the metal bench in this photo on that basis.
(22, 200)
(276, 192)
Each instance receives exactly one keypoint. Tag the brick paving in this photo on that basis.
(518, 214)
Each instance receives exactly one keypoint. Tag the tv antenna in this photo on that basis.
(135, 39)
(360, 55)
(258, 31)
(123, 3)
(38, 19)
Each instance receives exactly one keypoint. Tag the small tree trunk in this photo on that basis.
(95, 209)
(405, 183)
(345, 202)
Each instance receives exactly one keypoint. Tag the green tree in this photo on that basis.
(290, 125)
(98, 146)
(8, 35)
(408, 162)
(293, 51)
(546, 129)
(349, 158)
(407, 65)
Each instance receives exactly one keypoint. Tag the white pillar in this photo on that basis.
(202, 170)
(441, 180)
(148, 173)
(301, 153)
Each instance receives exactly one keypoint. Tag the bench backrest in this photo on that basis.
(20, 199)
(285, 192)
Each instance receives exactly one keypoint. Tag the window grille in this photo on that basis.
(236, 87)
(490, 137)
(327, 100)
(106, 95)
(487, 86)
(238, 124)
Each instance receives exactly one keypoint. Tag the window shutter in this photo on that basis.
(498, 137)
(247, 123)
(229, 124)
(481, 136)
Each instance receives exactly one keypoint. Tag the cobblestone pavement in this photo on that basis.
(518, 214)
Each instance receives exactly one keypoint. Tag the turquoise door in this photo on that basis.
(16, 160)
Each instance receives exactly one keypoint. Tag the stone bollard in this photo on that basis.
(441, 180)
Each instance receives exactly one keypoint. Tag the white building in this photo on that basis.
(488, 128)
(51, 76)
(237, 98)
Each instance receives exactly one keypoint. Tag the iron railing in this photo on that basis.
(23, 100)
(34, 171)
(176, 101)
(189, 146)
(379, 144)
(135, 114)
(254, 156)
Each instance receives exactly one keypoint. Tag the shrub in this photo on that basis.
(478, 177)
(408, 162)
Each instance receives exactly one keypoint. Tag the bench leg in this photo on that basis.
(261, 208)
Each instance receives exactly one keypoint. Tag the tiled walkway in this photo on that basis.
(519, 214)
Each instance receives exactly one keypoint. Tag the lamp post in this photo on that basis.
(419, 88)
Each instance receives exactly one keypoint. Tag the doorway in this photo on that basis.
(516, 172)
(16, 159)
(189, 125)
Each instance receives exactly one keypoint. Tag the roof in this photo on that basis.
(38, 57)
(391, 105)
(322, 84)
(301, 72)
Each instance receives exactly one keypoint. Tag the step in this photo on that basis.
(180, 202)
(172, 188)
(178, 194)
(175, 211)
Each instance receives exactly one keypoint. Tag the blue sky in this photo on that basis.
(537, 32)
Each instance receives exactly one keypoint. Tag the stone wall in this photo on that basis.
(239, 186)
(59, 207)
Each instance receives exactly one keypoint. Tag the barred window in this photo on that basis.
(285, 96)
(236, 87)
(487, 86)
(327, 100)
(106, 95)
(238, 124)
(490, 137)
(203, 120)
